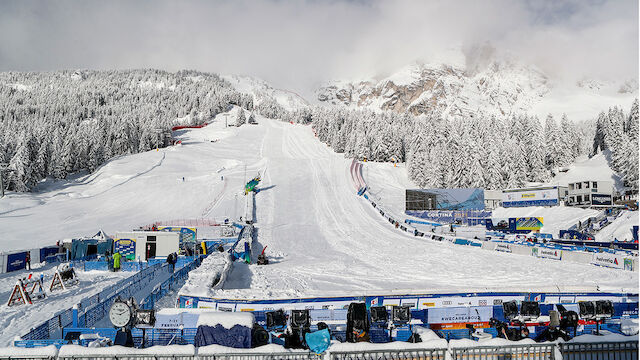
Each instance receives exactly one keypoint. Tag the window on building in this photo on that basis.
(586, 184)
(578, 185)
(570, 186)
(579, 198)
(586, 198)
(595, 184)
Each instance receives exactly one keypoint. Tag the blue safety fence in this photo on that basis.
(172, 283)
(93, 308)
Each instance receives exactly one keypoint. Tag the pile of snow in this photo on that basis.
(24, 353)
(629, 326)
(554, 218)
(467, 343)
(226, 319)
(265, 349)
(77, 350)
(210, 275)
(612, 337)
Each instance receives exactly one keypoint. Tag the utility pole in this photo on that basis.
(3, 166)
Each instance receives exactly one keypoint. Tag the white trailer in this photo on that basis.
(150, 244)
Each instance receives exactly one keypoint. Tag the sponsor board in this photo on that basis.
(447, 318)
(529, 223)
(601, 199)
(445, 199)
(610, 260)
(503, 247)
(187, 234)
(16, 261)
(530, 195)
(546, 253)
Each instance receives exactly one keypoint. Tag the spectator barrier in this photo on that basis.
(546, 351)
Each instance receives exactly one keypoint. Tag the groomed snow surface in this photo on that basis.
(17, 320)
(322, 238)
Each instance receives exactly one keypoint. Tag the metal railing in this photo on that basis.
(262, 356)
(523, 352)
(599, 351)
(421, 354)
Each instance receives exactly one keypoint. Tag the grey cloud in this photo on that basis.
(297, 44)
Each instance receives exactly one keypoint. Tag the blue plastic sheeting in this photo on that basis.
(318, 341)
(79, 248)
(237, 337)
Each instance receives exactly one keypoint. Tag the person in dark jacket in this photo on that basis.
(27, 261)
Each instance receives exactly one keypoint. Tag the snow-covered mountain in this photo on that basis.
(262, 91)
(479, 81)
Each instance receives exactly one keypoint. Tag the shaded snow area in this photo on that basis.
(620, 228)
(212, 271)
(19, 319)
(554, 218)
(322, 239)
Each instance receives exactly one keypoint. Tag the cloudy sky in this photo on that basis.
(297, 44)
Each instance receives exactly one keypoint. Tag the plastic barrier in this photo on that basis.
(180, 127)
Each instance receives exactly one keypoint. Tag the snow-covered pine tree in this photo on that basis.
(240, 118)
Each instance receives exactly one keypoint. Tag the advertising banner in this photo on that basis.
(601, 199)
(546, 253)
(126, 248)
(445, 199)
(608, 260)
(188, 234)
(530, 197)
(16, 261)
(529, 223)
(454, 317)
(500, 223)
(503, 247)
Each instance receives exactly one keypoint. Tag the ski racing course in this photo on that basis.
(323, 240)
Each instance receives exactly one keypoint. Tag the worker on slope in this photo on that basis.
(116, 261)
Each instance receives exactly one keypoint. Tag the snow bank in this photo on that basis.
(554, 218)
(266, 349)
(50, 350)
(226, 319)
(395, 345)
(467, 343)
(629, 326)
(77, 350)
(620, 228)
(210, 275)
(602, 338)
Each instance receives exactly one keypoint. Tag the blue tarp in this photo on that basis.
(79, 247)
(318, 341)
(237, 337)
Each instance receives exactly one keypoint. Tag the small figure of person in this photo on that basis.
(27, 260)
(116, 261)
(183, 179)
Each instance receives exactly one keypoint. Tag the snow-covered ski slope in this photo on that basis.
(322, 239)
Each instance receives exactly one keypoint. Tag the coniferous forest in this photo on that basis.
(54, 124)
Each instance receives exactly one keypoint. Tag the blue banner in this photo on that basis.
(16, 261)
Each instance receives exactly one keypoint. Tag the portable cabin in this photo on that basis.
(143, 245)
